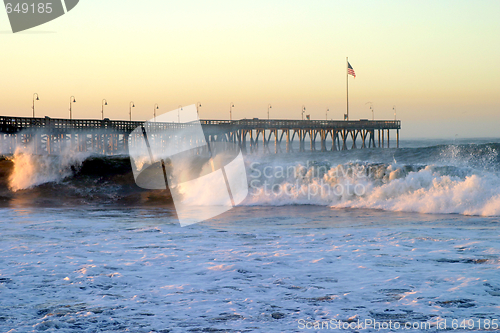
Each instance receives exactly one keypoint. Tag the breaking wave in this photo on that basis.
(448, 179)
(441, 179)
(71, 179)
(32, 170)
(423, 189)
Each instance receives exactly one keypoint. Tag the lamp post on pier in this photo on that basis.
(198, 105)
(231, 106)
(371, 109)
(71, 101)
(394, 109)
(37, 99)
(156, 107)
(326, 114)
(303, 110)
(269, 106)
(131, 105)
(104, 102)
(179, 113)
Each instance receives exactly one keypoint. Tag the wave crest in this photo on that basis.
(408, 188)
(31, 170)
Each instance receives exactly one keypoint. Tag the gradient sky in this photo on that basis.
(438, 62)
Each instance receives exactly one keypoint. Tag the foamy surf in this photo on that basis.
(426, 191)
(392, 187)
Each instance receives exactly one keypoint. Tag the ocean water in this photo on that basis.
(356, 238)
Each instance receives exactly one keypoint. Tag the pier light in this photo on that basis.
(131, 105)
(156, 107)
(326, 114)
(104, 102)
(198, 105)
(394, 109)
(303, 111)
(269, 106)
(37, 99)
(231, 106)
(71, 101)
(371, 109)
(179, 113)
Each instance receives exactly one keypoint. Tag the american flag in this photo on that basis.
(350, 70)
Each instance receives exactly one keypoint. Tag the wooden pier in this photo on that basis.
(111, 137)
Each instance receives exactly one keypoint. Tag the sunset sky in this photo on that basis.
(438, 62)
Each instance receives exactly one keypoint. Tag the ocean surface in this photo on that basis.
(325, 241)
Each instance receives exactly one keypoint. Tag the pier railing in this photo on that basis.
(10, 125)
(316, 124)
(17, 124)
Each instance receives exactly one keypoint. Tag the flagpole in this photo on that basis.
(347, 83)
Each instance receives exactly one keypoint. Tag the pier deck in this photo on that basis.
(48, 135)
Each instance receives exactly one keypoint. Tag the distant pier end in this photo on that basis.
(111, 137)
